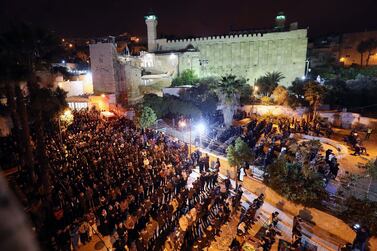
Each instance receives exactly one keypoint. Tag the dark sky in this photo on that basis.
(87, 18)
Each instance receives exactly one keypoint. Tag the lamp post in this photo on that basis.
(183, 124)
(200, 128)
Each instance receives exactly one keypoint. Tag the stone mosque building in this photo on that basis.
(244, 54)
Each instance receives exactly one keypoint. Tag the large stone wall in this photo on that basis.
(249, 56)
(103, 57)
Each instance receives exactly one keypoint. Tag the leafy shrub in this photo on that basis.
(363, 212)
(296, 183)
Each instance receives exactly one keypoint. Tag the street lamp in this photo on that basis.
(200, 128)
(183, 124)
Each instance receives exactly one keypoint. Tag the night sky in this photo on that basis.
(91, 18)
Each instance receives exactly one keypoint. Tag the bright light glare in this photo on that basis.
(103, 95)
(67, 117)
(182, 123)
(303, 77)
(201, 128)
(63, 61)
(89, 76)
(67, 112)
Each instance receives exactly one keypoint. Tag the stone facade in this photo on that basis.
(244, 55)
(248, 55)
(103, 63)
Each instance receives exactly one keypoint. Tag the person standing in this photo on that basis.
(206, 162)
(84, 232)
(369, 132)
(361, 239)
(74, 234)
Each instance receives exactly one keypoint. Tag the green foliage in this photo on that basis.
(187, 77)
(366, 46)
(265, 100)
(157, 104)
(246, 96)
(336, 93)
(147, 118)
(371, 167)
(343, 73)
(296, 184)
(202, 96)
(229, 89)
(171, 106)
(314, 93)
(280, 95)
(267, 83)
(296, 94)
(238, 153)
(363, 212)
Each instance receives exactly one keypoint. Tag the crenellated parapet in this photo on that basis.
(215, 38)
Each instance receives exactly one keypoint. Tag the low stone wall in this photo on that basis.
(323, 221)
(338, 119)
(342, 149)
(274, 110)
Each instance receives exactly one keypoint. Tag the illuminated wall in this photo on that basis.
(103, 60)
(249, 55)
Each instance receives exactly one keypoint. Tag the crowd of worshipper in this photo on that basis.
(110, 178)
(269, 142)
(218, 140)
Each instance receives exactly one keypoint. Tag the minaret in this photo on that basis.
(280, 21)
(151, 21)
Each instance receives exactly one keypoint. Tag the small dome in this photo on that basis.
(190, 47)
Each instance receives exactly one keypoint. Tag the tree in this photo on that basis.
(280, 95)
(296, 183)
(314, 93)
(238, 154)
(336, 93)
(202, 96)
(24, 50)
(362, 47)
(228, 90)
(296, 93)
(157, 104)
(371, 46)
(147, 118)
(267, 83)
(187, 77)
(371, 167)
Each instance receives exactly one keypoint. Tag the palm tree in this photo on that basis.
(267, 83)
(371, 46)
(362, 47)
(314, 93)
(228, 90)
